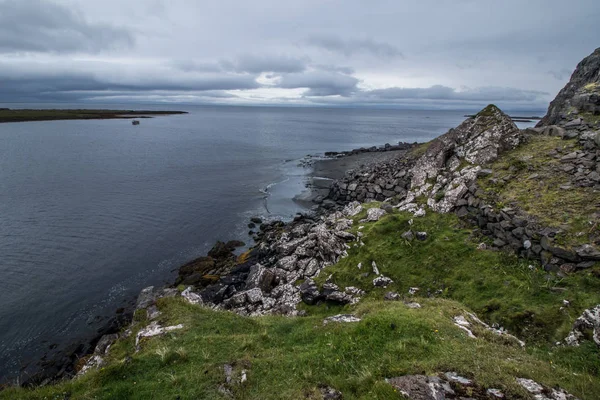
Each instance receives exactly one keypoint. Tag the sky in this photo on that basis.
(419, 54)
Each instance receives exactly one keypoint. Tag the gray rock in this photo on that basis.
(421, 387)
(391, 296)
(382, 281)
(541, 392)
(104, 343)
(146, 298)
(329, 393)
(422, 236)
(341, 318)
(408, 235)
(375, 214)
(588, 321)
(499, 243)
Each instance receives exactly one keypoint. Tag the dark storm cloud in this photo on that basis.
(349, 47)
(43, 26)
(34, 85)
(320, 83)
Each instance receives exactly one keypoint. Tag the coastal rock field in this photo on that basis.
(466, 268)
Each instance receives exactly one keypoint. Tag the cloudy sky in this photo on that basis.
(398, 53)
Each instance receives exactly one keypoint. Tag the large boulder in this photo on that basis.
(478, 140)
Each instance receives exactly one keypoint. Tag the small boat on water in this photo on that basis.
(135, 122)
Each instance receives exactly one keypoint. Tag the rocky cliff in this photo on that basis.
(580, 97)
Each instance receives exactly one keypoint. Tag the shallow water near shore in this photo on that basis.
(93, 211)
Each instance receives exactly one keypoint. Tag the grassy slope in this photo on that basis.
(541, 196)
(290, 357)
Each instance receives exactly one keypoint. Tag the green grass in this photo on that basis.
(290, 357)
(498, 286)
(541, 197)
(53, 114)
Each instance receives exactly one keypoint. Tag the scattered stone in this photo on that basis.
(408, 235)
(544, 393)
(453, 376)
(329, 393)
(375, 269)
(146, 298)
(588, 321)
(341, 318)
(495, 393)
(413, 290)
(421, 387)
(375, 214)
(391, 296)
(191, 297)
(413, 305)
(382, 281)
(422, 236)
(154, 329)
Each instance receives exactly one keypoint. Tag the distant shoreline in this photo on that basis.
(26, 115)
(515, 119)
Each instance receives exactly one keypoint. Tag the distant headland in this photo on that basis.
(23, 115)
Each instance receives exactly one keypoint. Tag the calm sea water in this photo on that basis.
(93, 211)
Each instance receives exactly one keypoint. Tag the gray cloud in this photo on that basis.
(256, 64)
(439, 92)
(337, 52)
(320, 83)
(43, 26)
(350, 47)
(561, 75)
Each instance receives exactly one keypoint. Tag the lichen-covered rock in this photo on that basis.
(154, 329)
(541, 392)
(588, 321)
(341, 318)
(375, 214)
(477, 141)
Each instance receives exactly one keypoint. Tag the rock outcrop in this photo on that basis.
(579, 97)
(443, 174)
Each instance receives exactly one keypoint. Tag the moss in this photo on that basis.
(420, 149)
(489, 111)
(590, 118)
(439, 195)
(591, 87)
(514, 184)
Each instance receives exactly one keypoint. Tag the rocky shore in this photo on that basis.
(466, 172)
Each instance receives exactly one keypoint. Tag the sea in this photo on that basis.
(93, 211)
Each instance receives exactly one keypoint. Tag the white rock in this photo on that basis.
(382, 281)
(375, 269)
(154, 329)
(341, 318)
(190, 296)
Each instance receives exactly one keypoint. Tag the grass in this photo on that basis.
(541, 196)
(8, 115)
(290, 357)
(497, 286)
